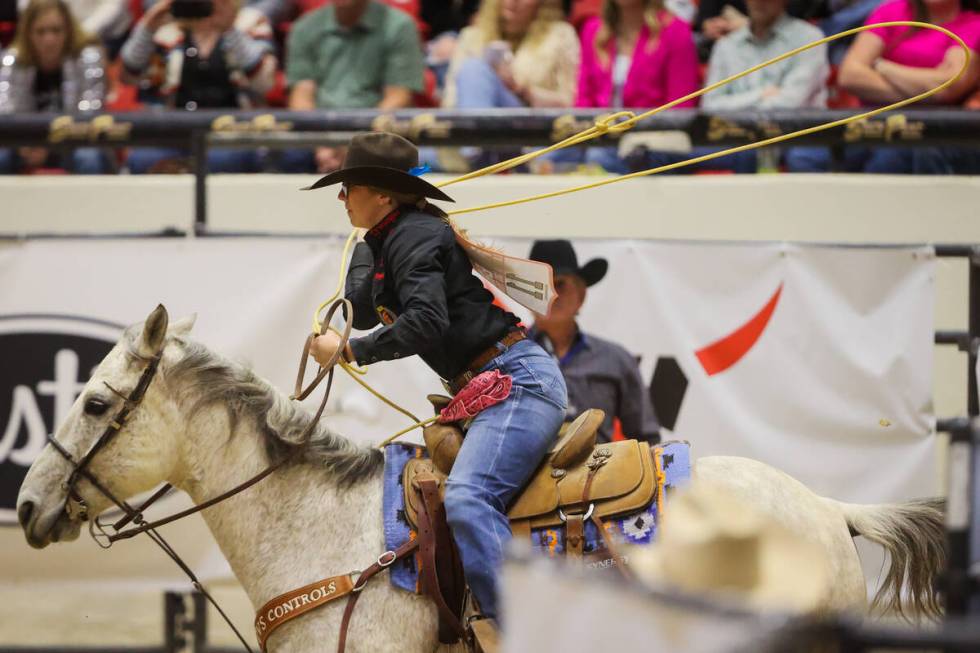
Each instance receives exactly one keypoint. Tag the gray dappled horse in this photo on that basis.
(206, 424)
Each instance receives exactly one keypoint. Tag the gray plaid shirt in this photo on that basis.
(602, 374)
(800, 79)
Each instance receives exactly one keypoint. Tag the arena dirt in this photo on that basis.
(31, 616)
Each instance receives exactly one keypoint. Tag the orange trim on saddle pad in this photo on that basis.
(660, 498)
(290, 605)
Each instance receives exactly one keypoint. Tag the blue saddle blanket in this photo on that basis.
(672, 462)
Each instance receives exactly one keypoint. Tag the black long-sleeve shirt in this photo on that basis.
(411, 275)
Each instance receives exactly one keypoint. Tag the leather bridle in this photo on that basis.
(76, 507)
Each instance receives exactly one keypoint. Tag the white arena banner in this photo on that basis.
(63, 303)
(817, 360)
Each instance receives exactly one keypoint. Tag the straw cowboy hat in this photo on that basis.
(381, 160)
(713, 544)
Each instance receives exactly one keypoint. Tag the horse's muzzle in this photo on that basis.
(24, 513)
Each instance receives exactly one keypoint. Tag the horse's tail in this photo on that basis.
(914, 536)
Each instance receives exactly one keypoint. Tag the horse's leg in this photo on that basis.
(794, 506)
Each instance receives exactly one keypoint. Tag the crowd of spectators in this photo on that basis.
(94, 55)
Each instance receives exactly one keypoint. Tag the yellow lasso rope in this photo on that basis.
(608, 124)
(352, 370)
(317, 324)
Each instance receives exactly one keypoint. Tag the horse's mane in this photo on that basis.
(202, 378)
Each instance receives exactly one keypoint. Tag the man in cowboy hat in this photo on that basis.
(598, 373)
(411, 275)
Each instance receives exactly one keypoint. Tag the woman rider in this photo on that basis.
(411, 275)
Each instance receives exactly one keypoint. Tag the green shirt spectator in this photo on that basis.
(354, 54)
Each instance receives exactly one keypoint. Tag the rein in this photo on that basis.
(76, 507)
(299, 393)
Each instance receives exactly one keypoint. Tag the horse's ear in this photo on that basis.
(183, 326)
(154, 331)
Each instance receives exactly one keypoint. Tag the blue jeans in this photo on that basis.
(604, 156)
(142, 159)
(293, 161)
(889, 160)
(740, 162)
(80, 161)
(607, 157)
(479, 87)
(503, 447)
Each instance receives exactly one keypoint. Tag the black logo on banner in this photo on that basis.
(46, 361)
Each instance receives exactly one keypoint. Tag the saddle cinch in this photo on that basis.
(577, 482)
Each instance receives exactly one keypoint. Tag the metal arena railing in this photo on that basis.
(197, 131)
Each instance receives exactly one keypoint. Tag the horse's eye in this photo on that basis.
(95, 407)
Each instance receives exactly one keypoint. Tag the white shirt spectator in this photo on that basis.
(797, 82)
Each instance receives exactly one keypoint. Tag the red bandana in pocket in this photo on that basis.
(483, 391)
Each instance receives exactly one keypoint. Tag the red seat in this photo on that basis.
(582, 10)
(7, 31)
(427, 98)
(278, 95)
(136, 10)
(121, 96)
(837, 96)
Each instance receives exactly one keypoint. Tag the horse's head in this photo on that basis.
(137, 456)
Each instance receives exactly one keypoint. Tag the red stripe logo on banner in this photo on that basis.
(722, 354)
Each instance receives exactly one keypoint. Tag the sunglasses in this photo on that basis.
(344, 188)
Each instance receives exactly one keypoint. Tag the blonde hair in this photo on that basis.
(487, 23)
(611, 17)
(75, 37)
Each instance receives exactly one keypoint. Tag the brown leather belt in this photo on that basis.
(485, 357)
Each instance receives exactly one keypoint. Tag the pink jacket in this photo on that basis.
(666, 72)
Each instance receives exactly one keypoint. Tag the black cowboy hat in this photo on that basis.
(381, 160)
(560, 255)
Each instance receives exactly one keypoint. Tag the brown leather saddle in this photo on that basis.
(578, 481)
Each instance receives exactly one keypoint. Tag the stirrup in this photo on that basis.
(486, 633)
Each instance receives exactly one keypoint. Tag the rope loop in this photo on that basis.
(606, 123)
